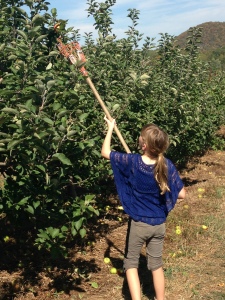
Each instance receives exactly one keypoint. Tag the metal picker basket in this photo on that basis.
(74, 54)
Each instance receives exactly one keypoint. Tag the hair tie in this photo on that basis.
(160, 155)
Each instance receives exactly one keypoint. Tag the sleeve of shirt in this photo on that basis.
(121, 166)
(175, 185)
(120, 162)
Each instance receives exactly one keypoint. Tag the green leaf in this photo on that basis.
(56, 106)
(43, 234)
(89, 198)
(35, 29)
(49, 121)
(53, 53)
(54, 12)
(62, 158)
(73, 231)
(29, 2)
(37, 18)
(41, 38)
(4, 32)
(22, 33)
(41, 167)
(22, 11)
(82, 233)
(64, 228)
(133, 75)
(54, 232)
(50, 84)
(49, 66)
(37, 135)
(12, 57)
(115, 107)
(71, 133)
(13, 144)
(42, 134)
(5, 140)
(2, 46)
(36, 204)
(94, 285)
(92, 209)
(31, 88)
(10, 110)
(23, 201)
(144, 76)
(85, 162)
(78, 224)
(30, 209)
(62, 113)
(83, 117)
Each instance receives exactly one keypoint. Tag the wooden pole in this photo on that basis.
(88, 79)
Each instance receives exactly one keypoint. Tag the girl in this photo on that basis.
(148, 186)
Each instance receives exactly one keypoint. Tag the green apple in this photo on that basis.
(107, 260)
(107, 208)
(113, 271)
(20, 264)
(204, 227)
(6, 239)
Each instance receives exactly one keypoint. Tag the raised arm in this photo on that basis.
(106, 146)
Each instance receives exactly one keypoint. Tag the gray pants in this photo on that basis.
(138, 234)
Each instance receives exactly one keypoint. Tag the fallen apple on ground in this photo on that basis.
(113, 271)
(107, 260)
(6, 239)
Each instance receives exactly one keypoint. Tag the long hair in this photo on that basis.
(157, 142)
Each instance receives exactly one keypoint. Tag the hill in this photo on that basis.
(213, 36)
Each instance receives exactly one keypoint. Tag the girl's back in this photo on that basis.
(138, 189)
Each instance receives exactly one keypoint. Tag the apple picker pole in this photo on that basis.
(75, 55)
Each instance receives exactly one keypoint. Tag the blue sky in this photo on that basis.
(156, 16)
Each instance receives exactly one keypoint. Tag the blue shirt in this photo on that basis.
(138, 190)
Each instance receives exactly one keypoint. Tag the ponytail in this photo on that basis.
(161, 173)
(157, 142)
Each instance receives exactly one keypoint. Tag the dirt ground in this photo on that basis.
(194, 262)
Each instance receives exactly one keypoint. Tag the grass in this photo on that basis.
(194, 259)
